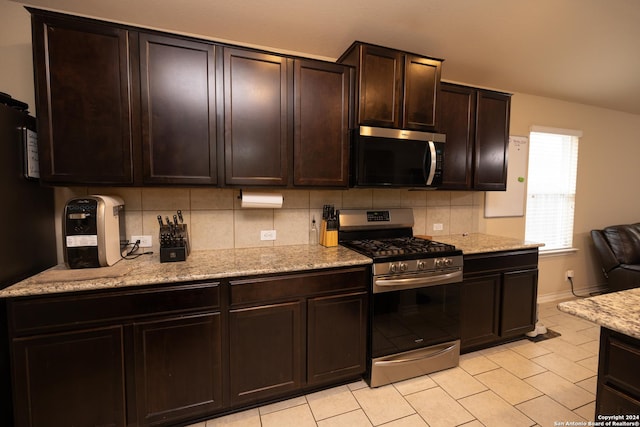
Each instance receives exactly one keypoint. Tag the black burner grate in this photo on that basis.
(399, 246)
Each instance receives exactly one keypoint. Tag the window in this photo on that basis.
(551, 188)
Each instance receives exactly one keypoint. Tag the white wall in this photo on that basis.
(16, 72)
(608, 171)
(607, 174)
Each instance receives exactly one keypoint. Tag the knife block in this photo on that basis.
(328, 238)
(174, 243)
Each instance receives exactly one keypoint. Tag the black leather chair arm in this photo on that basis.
(609, 260)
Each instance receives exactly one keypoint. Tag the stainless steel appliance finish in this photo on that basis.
(401, 134)
(415, 295)
(402, 366)
(383, 157)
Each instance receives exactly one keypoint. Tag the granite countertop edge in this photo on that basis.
(227, 263)
(618, 311)
(475, 243)
(199, 266)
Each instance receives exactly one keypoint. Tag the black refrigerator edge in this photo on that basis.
(28, 226)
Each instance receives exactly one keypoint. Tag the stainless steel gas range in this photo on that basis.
(414, 327)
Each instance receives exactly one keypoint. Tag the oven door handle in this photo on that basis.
(414, 359)
(422, 281)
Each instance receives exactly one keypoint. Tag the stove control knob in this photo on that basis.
(403, 266)
(393, 268)
(422, 265)
(439, 262)
(448, 262)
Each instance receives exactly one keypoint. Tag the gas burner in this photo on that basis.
(399, 246)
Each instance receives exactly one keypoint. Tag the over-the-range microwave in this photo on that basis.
(385, 157)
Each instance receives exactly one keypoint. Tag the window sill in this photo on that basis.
(557, 252)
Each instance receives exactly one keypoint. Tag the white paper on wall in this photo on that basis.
(511, 202)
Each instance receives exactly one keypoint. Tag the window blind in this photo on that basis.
(551, 190)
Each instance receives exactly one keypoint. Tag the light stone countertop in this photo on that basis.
(618, 311)
(200, 265)
(474, 243)
(224, 263)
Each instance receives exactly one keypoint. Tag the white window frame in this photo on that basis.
(566, 196)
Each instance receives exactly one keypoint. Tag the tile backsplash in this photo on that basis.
(216, 220)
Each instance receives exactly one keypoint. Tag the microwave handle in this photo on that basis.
(431, 158)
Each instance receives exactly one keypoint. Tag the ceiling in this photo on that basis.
(583, 51)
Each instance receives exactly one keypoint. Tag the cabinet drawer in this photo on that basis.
(297, 285)
(508, 260)
(621, 359)
(31, 315)
(612, 402)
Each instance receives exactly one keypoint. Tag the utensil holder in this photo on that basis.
(328, 237)
(174, 243)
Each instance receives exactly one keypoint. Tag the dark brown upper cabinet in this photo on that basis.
(84, 101)
(393, 88)
(256, 117)
(178, 101)
(476, 122)
(321, 124)
(492, 140)
(286, 120)
(120, 105)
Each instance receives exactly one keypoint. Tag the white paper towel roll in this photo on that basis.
(261, 200)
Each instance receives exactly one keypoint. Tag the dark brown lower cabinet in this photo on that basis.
(519, 302)
(266, 351)
(178, 368)
(618, 390)
(499, 297)
(178, 353)
(337, 337)
(126, 357)
(70, 379)
(298, 331)
(480, 310)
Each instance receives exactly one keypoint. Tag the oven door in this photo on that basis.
(380, 160)
(415, 318)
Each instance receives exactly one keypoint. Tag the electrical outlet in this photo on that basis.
(568, 275)
(268, 235)
(145, 241)
(437, 227)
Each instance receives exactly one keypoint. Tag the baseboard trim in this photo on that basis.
(566, 295)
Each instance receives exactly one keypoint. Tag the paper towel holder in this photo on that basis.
(240, 196)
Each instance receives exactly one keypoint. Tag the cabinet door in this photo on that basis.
(266, 349)
(380, 87)
(480, 310)
(492, 140)
(456, 119)
(518, 306)
(256, 118)
(321, 124)
(422, 81)
(177, 79)
(178, 368)
(83, 101)
(337, 337)
(70, 379)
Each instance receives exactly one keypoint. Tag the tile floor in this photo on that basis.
(516, 384)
